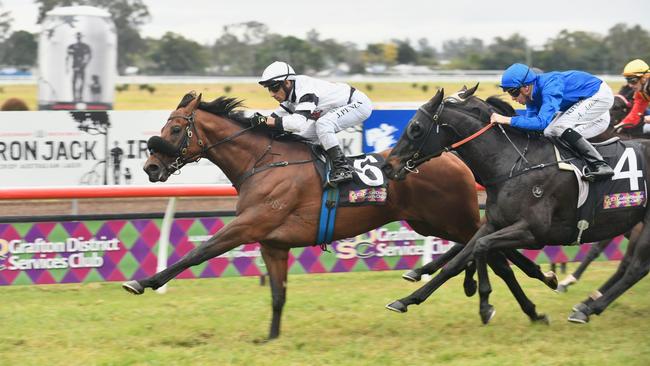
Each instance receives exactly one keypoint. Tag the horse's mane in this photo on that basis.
(226, 107)
(500, 105)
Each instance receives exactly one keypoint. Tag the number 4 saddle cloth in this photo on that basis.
(599, 202)
(369, 185)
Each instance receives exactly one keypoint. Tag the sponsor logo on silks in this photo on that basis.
(625, 199)
(4, 249)
(367, 195)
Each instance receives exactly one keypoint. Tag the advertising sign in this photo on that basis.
(61, 148)
(77, 59)
(119, 250)
(383, 129)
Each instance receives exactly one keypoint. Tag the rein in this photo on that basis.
(415, 160)
(191, 130)
(181, 160)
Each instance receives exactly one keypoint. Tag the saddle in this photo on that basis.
(626, 190)
(369, 185)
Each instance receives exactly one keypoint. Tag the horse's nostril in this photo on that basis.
(152, 168)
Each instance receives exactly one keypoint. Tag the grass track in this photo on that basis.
(331, 319)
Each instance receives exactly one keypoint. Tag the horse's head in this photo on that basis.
(427, 135)
(620, 108)
(178, 143)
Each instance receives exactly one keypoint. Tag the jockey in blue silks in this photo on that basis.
(573, 105)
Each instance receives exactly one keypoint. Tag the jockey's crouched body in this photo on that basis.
(637, 75)
(315, 109)
(573, 105)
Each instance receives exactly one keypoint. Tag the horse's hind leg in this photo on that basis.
(276, 264)
(500, 266)
(593, 253)
(634, 266)
(596, 249)
(530, 268)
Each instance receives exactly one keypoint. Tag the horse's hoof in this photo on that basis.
(541, 319)
(411, 276)
(578, 317)
(564, 285)
(487, 314)
(397, 306)
(133, 287)
(470, 287)
(550, 279)
(581, 307)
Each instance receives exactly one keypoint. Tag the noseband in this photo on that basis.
(181, 150)
(416, 159)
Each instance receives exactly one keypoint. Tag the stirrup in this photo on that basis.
(341, 177)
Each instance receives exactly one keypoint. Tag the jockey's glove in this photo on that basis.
(258, 119)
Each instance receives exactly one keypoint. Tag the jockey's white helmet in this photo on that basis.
(277, 71)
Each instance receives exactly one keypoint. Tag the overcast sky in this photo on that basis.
(370, 21)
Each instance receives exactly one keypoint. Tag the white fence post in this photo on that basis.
(163, 241)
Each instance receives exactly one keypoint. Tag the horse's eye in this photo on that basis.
(415, 128)
(176, 129)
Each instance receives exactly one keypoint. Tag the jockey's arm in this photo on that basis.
(638, 110)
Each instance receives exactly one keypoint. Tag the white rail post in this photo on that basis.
(163, 241)
(427, 254)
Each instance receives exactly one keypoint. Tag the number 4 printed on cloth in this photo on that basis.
(633, 174)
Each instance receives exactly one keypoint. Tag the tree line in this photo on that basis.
(244, 49)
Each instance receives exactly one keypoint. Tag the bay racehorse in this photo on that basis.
(530, 203)
(280, 195)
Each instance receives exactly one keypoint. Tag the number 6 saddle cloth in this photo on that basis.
(369, 185)
(598, 202)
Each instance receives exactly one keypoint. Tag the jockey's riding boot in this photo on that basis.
(341, 171)
(597, 168)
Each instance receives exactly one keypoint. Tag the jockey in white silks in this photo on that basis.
(315, 109)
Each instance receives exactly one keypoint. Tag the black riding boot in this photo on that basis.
(597, 168)
(341, 171)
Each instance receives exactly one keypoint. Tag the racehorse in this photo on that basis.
(280, 195)
(528, 203)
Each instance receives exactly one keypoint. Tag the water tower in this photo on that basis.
(77, 59)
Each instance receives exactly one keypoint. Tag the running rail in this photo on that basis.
(34, 193)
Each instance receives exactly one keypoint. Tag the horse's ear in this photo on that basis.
(194, 103)
(465, 93)
(438, 97)
(464, 88)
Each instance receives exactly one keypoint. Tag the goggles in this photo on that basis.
(514, 92)
(274, 87)
(632, 79)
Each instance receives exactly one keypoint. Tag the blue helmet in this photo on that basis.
(517, 75)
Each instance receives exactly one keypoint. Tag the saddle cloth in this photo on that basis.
(369, 185)
(626, 190)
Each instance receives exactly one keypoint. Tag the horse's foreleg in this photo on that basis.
(228, 238)
(451, 269)
(530, 268)
(499, 264)
(276, 264)
(432, 267)
(507, 238)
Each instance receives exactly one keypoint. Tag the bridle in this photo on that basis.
(190, 130)
(416, 159)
